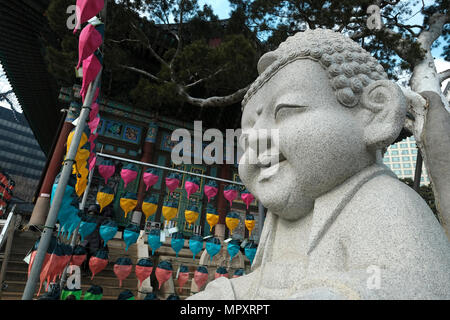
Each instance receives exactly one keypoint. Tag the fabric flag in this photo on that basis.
(201, 276)
(232, 220)
(233, 248)
(211, 188)
(149, 206)
(126, 295)
(33, 255)
(177, 242)
(172, 181)
(64, 260)
(91, 38)
(150, 177)
(71, 292)
(213, 246)
(106, 169)
(131, 234)
(95, 107)
(163, 272)
(151, 296)
(105, 196)
(191, 185)
(191, 214)
(46, 265)
(154, 240)
(98, 262)
(92, 160)
(212, 217)
(221, 272)
(128, 202)
(247, 197)
(87, 226)
(84, 138)
(170, 210)
(93, 124)
(238, 273)
(50, 270)
(93, 293)
(79, 255)
(195, 244)
(250, 223)
(143, 269)
(250, 251)
(91, 67)
(230, 193)
(128, 173)
(122, 269)
(183, 277)
(108, 230)
(87, 9)
(71, 224)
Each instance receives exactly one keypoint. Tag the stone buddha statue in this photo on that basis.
(340, 225)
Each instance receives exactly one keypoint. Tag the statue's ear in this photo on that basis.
(384, 112)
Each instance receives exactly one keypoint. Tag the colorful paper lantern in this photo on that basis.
(173, 296)
(88, 225)
(93, 293)
(191, 185)
(233, 248)
(238, 273)
(128, 202)
(191, 214)
(106, 169)
(108, 230)
(183, 277)
(201, 276)
(131, 234)
(122, 269)
(172, 181)
(105, 196)
(150, 177)
(151, 296)
(250, 223)
(163, 272)
(221, 272)
(170, 210)
(212, 217)
(149, 206)
(211, 188)
(87, 9)
(195, 245)
(213, 246)
(143, 269)
(177, 242)
(91, 38)
(71, 292)
(232, 221)
(79, 255)
(247, 197)
(230, 193)
(98, 262)
(128, 173)
(250, 251)
(126, 295)
(154, 240)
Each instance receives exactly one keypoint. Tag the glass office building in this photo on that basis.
(401, 159)
(20, 154)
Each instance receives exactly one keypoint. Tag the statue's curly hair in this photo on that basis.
(350, 67)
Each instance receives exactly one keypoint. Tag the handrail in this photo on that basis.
(7, 235)
(4, 233)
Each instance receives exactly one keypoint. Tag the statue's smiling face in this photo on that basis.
(321, 142)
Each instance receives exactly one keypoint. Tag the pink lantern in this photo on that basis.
(201, 276)
(143, 269)
(247, 197)
(89, 41)
(106, 170)
(122, 269)
(183, 277)
(230, 193)
(87, 9)
(128, 173)
(172, 181)
(91, 68)
(150, 178)
(191, 185)
(163, 272)
(211, 189)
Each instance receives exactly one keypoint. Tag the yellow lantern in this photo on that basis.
(149, 206)
(128, 202)
(232, 221)
(104, 197)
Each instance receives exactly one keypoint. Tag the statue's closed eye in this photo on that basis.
(284, 106)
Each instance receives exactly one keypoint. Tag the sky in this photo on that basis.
(222, 8)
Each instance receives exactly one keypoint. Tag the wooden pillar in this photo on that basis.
(222, 203)
(42, 206)
(147, 156)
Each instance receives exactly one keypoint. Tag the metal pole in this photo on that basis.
(167, 168)
(46, 235)
(418, 172)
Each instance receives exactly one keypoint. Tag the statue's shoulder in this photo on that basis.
(219, 289)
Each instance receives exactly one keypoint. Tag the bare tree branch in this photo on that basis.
(437, 22)
(214, 101)
(206, 78)
(143, 72)
(444, 75)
